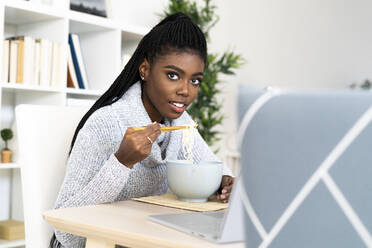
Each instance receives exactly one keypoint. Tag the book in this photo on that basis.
(71, 74)
(12, 230)
(36, 74)
(5, 61)
(50, 63)
(20, 61)
(13, 61)
(45, 62)
(75, 62)
(29, 60)
(25, 59)
(60, 61)
(80, 59)
(56, 77)
(70, 84)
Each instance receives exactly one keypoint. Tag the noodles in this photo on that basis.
(188, 141)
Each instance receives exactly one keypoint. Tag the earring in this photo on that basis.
(142, 78)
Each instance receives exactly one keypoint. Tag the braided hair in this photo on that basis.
(175, 33)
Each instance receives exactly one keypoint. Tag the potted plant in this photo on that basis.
(6, 153)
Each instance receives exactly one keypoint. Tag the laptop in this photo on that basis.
(306, 173)
(223, 226)
(306, 167)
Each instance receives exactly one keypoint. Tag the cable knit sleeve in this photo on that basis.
(93, 174)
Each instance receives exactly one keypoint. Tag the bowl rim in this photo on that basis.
(188, 163)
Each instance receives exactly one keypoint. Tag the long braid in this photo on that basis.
(174, 33)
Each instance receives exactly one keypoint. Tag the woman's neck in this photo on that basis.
(150, 109)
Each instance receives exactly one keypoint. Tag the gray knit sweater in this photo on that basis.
(95, 176)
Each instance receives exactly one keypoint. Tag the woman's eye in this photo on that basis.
(196, 81)
(172, 76)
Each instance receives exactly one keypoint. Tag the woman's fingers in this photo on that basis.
(137, 145)
(130, 131)
(151, 133)
(227, 180)
(153, 128)
(226, 188)
(223, 197)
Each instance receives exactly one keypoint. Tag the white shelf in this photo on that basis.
(21, 12)
(9, 244)
(9, 166)
(82, 22)
(133, 32)
(13, 87)
(73, 91)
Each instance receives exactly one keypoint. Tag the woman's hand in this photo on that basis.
(223, 194)
(136, 145)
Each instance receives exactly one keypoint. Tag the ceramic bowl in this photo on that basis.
(194, 182)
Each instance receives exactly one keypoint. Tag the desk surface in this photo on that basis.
(125, 223)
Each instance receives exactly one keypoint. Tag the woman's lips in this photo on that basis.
(178, 108)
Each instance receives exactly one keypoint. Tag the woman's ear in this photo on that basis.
(144, 70)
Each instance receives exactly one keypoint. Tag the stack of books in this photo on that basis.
(31, 61)
(76, 72)
(12, 230)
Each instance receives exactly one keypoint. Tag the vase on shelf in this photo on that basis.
(6, 156)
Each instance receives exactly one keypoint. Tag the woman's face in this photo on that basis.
(171, 84)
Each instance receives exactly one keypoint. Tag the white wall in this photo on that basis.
(294, 44)
(138, 12)
(299, 43)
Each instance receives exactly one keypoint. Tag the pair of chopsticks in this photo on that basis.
(166, 129)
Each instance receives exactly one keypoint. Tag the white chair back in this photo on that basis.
(44, 137)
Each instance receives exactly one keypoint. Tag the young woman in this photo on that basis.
(109, 161)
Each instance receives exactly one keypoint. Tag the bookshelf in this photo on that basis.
(9, 166)
(9, 244)
(103, 43)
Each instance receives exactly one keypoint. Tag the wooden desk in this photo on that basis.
(124, 223)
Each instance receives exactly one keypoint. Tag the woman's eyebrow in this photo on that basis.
(198, 74)
(176, 68)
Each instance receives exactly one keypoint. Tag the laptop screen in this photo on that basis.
(306, 166)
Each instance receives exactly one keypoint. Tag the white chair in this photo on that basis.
(44, 138)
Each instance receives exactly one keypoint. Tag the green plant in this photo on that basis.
(6, 134)
(206, 110)
(365, 86)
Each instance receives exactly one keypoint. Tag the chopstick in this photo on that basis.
(165, 129)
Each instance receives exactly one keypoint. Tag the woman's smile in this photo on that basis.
(178, 106)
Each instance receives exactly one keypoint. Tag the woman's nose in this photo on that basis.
(183, 88)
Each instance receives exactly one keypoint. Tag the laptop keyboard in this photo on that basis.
(201, 223)
(215, 214)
